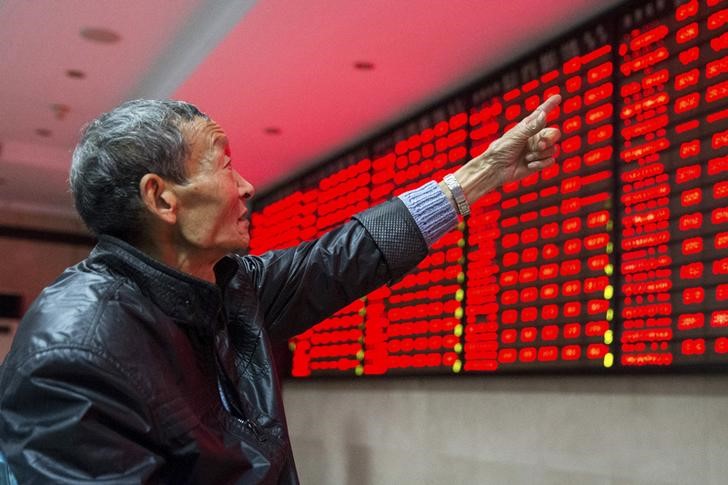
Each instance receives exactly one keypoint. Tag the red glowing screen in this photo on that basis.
(614, 258)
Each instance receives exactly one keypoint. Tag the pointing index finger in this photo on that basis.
(550, 103)
(534, 122)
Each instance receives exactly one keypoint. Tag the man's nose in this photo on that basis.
(245, 188)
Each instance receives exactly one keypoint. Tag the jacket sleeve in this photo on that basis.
(301, 286)
(67, 416)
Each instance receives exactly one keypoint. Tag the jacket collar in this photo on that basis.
(183, 297)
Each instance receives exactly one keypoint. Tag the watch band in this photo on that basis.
(457, 194)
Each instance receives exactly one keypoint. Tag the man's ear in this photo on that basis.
(158, 197)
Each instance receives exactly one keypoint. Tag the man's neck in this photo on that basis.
(182, 259)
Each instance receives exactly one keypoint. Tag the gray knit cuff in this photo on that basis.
(431, 210)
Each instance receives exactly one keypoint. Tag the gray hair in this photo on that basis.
(116, 150)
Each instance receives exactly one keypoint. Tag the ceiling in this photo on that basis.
(254, 66)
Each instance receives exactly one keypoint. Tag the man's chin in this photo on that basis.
(241, 246)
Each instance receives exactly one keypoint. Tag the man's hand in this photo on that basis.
(526, 148)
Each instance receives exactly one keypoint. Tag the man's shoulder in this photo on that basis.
(69, 311)
(78, 290)
(82, 281)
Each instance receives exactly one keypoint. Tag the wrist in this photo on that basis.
(457, 194)
(478, 177)
(448, 195)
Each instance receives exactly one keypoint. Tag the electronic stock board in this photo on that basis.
(613, 259)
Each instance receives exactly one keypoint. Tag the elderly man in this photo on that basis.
(150, 361)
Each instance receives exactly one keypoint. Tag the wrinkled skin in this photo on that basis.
(526, 148)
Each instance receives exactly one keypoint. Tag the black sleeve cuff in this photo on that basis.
(396, 234)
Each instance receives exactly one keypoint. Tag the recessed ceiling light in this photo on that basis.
(364, 65)
(75, 74)
(60, 110)
(272, 130)
(104, 36)
(44, 132)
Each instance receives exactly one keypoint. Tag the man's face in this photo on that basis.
(212, 215)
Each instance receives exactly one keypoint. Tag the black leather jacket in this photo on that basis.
(126, 371)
